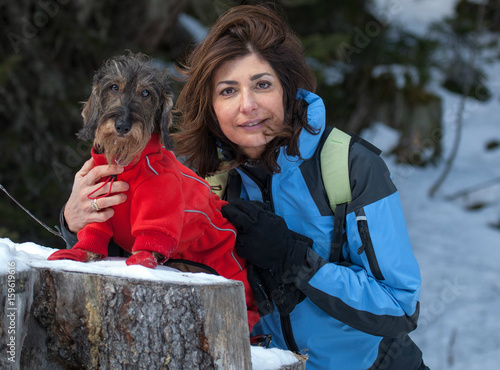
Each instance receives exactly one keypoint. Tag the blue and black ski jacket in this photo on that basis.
(358, 311)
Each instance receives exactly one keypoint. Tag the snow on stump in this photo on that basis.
(106, 315)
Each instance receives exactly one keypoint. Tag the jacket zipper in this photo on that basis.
(268, 306)
(286, 324)
(367, 247)
(266, 193)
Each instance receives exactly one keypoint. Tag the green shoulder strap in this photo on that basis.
(335, 173)
(218, 183)
(335, 168)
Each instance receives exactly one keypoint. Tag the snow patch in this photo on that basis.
(28, 255)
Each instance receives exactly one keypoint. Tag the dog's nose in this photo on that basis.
(122, 127)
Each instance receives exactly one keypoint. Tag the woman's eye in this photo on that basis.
(263, 85)
(145, 93)
(114, 88)
(227, 91)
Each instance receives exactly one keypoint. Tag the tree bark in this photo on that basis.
(79, 320)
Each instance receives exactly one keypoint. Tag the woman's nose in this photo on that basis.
(248, 102)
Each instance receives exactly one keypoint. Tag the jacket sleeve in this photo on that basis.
(95, 238)
(376, 289)
(70, 238)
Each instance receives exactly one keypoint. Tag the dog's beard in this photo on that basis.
(119, 149)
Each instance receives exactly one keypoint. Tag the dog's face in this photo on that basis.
(130, 100)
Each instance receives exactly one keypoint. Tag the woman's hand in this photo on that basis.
(264, 238)
(78, 211)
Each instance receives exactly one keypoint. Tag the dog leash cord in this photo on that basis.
(56, 233)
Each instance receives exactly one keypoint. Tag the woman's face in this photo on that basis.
(248, 103)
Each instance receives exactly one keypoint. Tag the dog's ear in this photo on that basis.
(167, 101)
(90, 114)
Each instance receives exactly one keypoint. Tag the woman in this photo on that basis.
(249, 100)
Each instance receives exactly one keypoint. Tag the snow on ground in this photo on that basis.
(457, 248)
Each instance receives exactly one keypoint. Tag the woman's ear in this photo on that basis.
(90, 114)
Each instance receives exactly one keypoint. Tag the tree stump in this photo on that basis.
(69, 320)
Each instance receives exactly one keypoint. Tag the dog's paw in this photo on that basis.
(76, 254)
(143, 258)
(160, 258)
(91, 256)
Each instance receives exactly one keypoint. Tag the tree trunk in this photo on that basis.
(69, 320)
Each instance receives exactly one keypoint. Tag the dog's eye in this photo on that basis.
(145, 93)
(114, 88)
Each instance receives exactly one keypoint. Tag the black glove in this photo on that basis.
(267, 288)
(264, 238)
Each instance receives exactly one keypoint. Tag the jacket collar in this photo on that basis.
(152, 147)
(307, 142)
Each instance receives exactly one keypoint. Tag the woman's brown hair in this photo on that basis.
(242, 30)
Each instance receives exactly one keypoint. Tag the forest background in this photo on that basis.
(368, 69)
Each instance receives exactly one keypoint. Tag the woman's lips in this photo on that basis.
(254, 124)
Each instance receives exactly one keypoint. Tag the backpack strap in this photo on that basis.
(338, 233)
(335, 167)
(335, 173)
